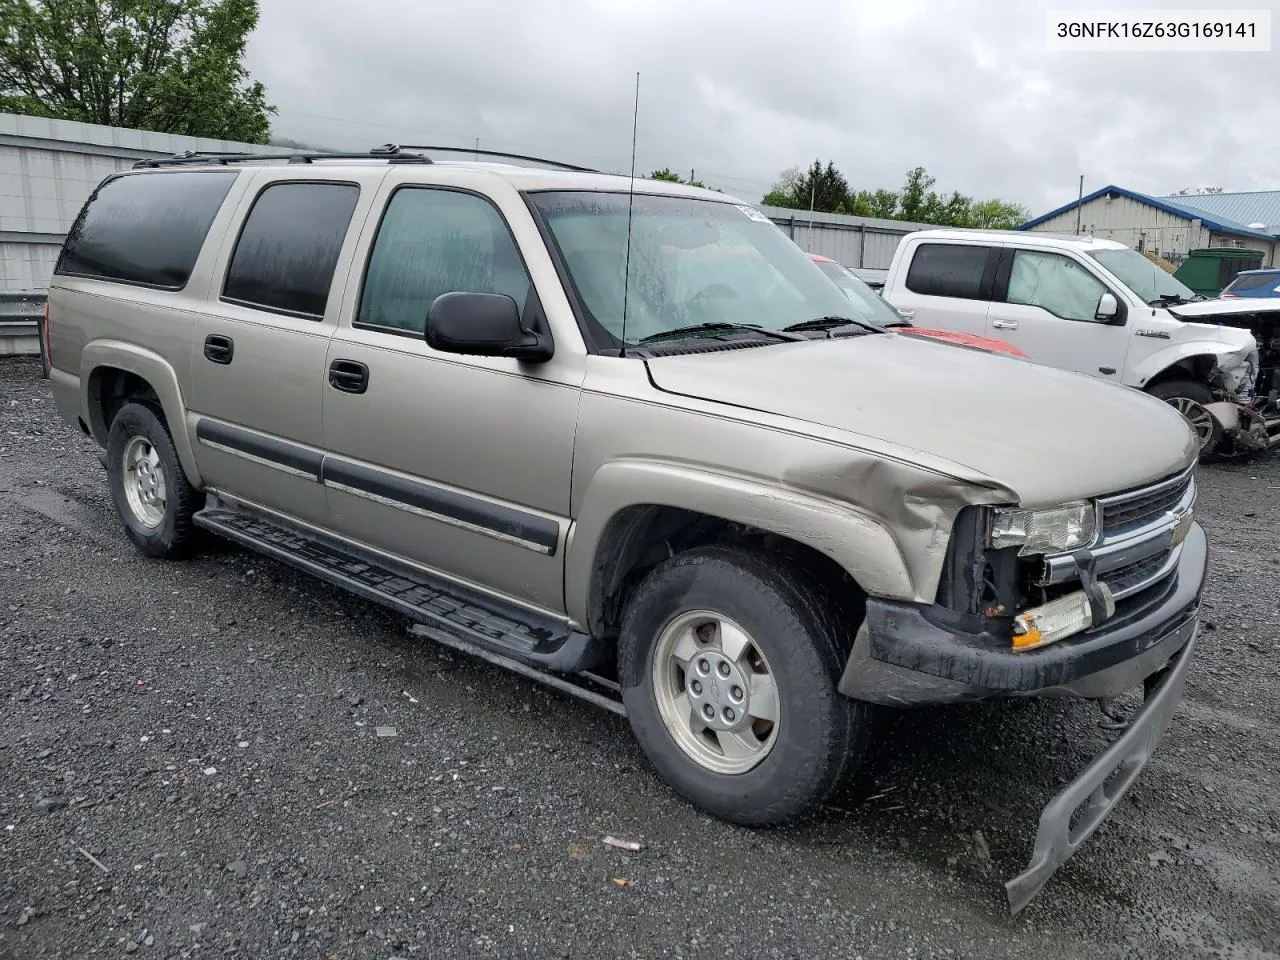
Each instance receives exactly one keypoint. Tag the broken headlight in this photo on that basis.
(1049, 531)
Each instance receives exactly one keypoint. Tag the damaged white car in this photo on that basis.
(1100, 308)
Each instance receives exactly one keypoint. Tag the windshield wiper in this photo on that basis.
(718, 327)
(1168, 300)
(829, 324)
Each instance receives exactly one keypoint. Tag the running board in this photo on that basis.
(449, 610)
(580, 685)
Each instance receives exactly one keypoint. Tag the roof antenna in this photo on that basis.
(631, 196)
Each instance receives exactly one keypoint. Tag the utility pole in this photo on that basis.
(813, 193)
(1079, 201)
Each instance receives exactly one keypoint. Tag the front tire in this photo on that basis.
(728, 662)
(1190, 399)
(152, 496)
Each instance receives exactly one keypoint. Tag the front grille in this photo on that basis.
(1135, 577)
(1132, 511)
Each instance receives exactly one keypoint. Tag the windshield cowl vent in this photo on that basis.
(678, 348)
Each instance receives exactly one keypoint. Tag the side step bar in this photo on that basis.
(470, 620)
(579, 685)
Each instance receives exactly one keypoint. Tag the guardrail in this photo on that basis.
(20, 314)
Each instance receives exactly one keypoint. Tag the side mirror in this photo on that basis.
(483, 325)
(1108, 308)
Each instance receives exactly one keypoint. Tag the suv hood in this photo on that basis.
(1049, 435)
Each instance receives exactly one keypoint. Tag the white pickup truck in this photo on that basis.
(1100, 308)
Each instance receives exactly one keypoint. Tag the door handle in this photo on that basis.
(219, 349)
(1005, 324)
(1107, 370)
(348, 376)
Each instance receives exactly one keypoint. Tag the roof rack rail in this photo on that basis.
(390, 152)
(500, 153)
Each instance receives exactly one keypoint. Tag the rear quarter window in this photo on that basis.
(145, 228)
(948, 270)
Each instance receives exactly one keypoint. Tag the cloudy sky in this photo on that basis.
(740, 89)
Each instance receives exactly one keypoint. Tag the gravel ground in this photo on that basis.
(189, 766)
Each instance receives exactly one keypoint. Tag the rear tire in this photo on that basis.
(1190, 399)
(152, 496)
(728, 662)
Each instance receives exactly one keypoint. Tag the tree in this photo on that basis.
(1193, 191)
(997, 215)
(911, 202)
(785, 189)
(175, 66)
(882, 203)
(818, 188)
(916, 201)
(666, 173)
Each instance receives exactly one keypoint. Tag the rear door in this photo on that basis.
(1046, 304)
(258, 357)
(947, 285)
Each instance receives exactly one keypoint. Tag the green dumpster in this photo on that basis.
(1209, 269)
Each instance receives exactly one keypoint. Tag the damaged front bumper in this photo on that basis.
(907, 654)
(1245, 427)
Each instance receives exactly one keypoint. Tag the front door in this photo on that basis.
(457, 464)
(258, 359)
(1047, 305)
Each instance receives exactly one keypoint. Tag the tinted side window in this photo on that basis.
(145, 228)
(289, 245)
(948, 270)
(432, 242)
(1055, 283)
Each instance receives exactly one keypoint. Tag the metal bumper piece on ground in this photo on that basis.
(1103, 783)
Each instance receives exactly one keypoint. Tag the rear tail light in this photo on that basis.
(46, 351)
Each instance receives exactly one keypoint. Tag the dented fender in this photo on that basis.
(1234, 366)
(860, 538)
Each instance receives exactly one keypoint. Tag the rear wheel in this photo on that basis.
(1191, 399)
(150, 491)
(728, 662)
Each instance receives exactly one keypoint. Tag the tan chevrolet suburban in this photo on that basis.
(626, 433)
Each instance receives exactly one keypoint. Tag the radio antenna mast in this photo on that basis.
(631, 197)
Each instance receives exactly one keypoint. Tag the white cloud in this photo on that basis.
(740, 90)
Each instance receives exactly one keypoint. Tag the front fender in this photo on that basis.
(154, 369)
(1215, 352)
(854, 539)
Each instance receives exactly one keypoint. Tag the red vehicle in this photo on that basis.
(857, 291)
